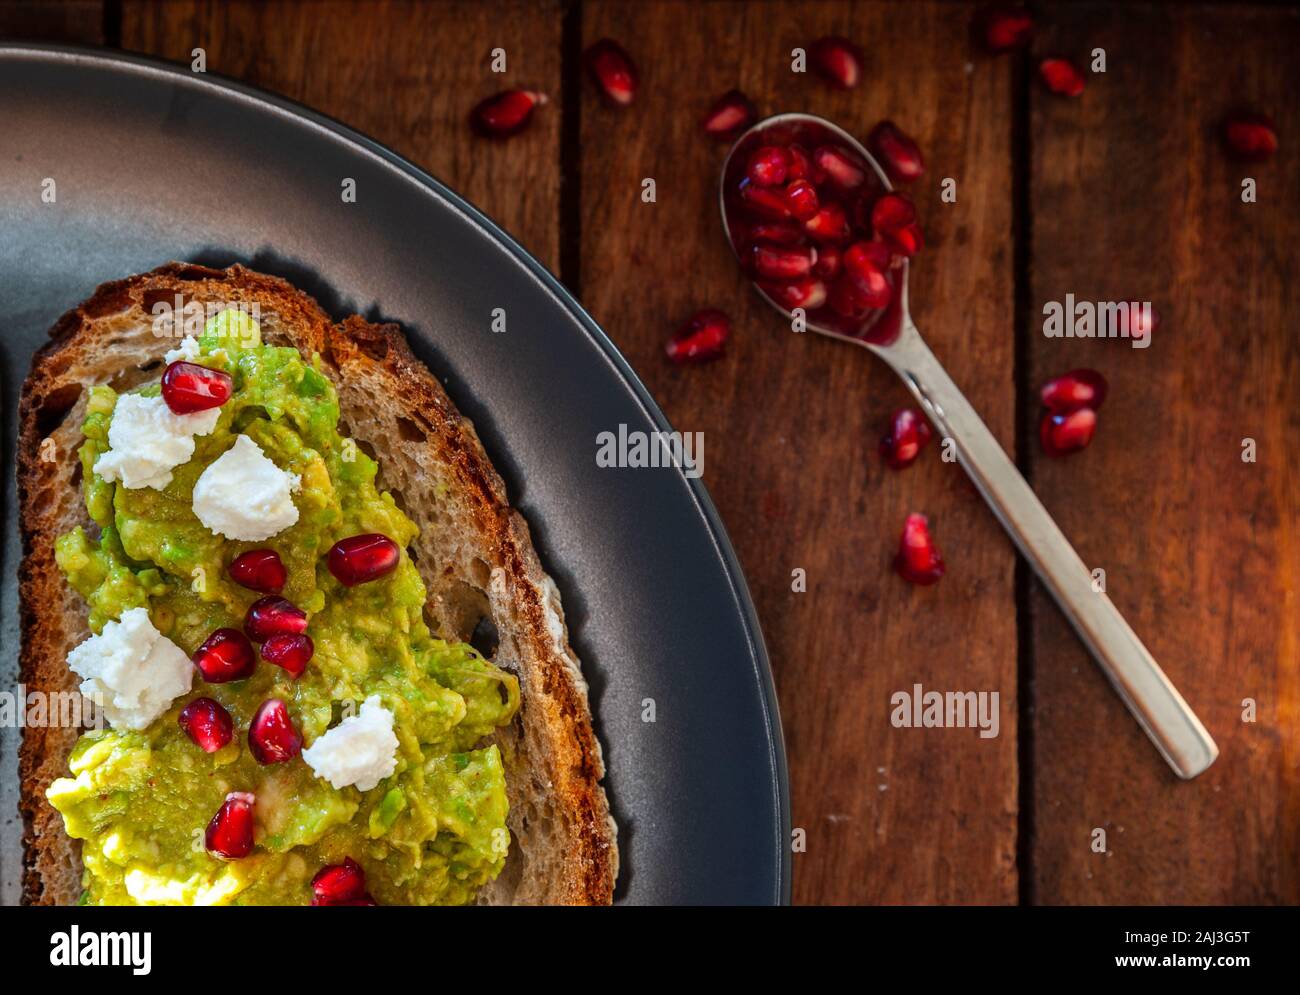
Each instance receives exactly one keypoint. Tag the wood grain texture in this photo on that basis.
(1133, 197)
(404, 73)
(78, 22)
(791, 424)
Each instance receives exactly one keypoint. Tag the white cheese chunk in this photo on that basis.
(133, 669)
(147, 441)
(243, 495)
(188, 350)
(360, 750)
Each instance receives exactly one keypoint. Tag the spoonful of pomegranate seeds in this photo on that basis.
(814, 221)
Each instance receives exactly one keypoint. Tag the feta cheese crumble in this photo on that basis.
(133, 668)
(245, 496)
(147, 441)
(360, 750)
(188, 350)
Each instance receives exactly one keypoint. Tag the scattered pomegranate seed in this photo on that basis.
(765, 202)
(339, 884)
(207, 723)
(896, 152)
(807, 293)
(703, 337)
(865, 263)
(272, 739)
(729, 115)
(290, 652)
(908, 433)
(189, 387)
(362, 558)
(801, 199)
(230, 833)
(768, 166)
(1003, 29)
(1061, 76)
(829, 262)
(1142, 320)
(1250, 137)
(918, 559)
(259, 570)
(777, 234)
(274, 616)
(1062, 434)
(226, 655)
(838, 61)
(801, 164)
(506, 113)
(843, 167)
(613, 71)
(829, 224)
(1074, 390)
(783, 263)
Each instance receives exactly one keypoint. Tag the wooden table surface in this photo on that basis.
(1121, 194)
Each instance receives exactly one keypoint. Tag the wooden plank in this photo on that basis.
(407, 74)
(791, 424)
(1132, 197)
(78, 22)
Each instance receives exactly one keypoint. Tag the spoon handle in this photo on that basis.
(1148, 693)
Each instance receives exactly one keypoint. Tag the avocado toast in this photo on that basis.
(364, 443)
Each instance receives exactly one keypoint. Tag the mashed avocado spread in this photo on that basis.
(434, 831)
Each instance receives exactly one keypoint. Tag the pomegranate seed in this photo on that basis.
(259, 570)
(777, 234)
(613, 71)
(362, 558)
(829, 224)
(829, 262)
(1251, 137)
(1074, 390)
(1143, 319)
(907, 436)
(865, 264)
(226, 655)
(843, 167)
(768, 166)
(893, 217)
(896, 152)
(847, 300)
(703, 337)
(272, 739)
(506, 113)
(338, 884)
(801, 164)
(1061, 76)
(230, 833)
(274, 616)
(906, 241)
(807, 293)
(1005, 28)
(1062, 434)
(783, 263)
(838, 61)
(918, 559)
(729, 115)
(207, 723)
(290, 652)
(764, 201)
(189, 387)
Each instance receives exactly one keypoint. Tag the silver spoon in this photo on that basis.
(1156, 704)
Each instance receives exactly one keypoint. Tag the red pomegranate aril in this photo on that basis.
(777, 233)
(768, 166)
(808, 293)
(801, 164)
(272, 739)
(891, 212)
(289, 652)
(730, 114)
(226, 655)
(189, 387)
(613, 71)
(801, 199)
(829, 224)
(865, 264)
(1073, 390)
(507, 113)
(776, 263)
(259, 570)
(1003, 29)
(896, 152)
(1143, 319)
(230, 833)
(207, 724)
(906, 241)
(1062, 434)
(829, 262)
(908, 433)
(339, 884)
(1250, 137)
(274, 616)
(838, 61)
(918, 560)
(842, 167)
(846, 300)
(703, 337)
(362, 558)
(1061, 76)
(764, 202)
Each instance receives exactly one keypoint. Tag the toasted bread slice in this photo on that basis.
(474, 553)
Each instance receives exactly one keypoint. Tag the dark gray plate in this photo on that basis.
(153, 163)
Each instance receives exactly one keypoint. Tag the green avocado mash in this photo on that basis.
(434, 831)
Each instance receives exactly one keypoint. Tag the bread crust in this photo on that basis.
(474, 553)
